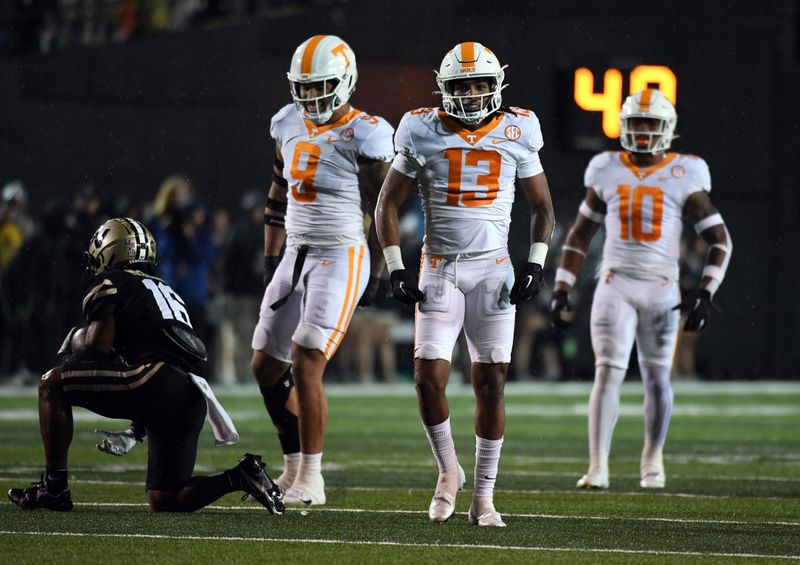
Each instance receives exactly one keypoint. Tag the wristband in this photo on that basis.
(394, 259)
(565, 276)
(537, 253)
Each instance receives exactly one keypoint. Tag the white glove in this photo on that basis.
(116, 443)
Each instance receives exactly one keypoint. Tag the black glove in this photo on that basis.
(404, 288)
(527, 284)
(697, 308)
(561, 314)
(368, 298)
(270, 266)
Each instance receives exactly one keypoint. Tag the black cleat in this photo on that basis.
(38, 496)
(253, 480)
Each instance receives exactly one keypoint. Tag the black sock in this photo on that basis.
(55, 480)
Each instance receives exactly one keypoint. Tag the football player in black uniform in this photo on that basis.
(134, 361)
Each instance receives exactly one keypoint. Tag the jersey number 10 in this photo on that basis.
(631, 212)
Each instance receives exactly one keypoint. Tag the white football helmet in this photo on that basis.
(649, 103)
(470, 60)
(329, 60)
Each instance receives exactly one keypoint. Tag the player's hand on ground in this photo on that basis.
(368, 298)
(116, 443)
(404, 288)
(697, 309)
(527, 283)
(561, 314)
(270, 266)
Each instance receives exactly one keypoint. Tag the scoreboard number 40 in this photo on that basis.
(609, 100)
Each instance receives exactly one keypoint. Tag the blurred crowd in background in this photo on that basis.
(47, 26)
(214, 260)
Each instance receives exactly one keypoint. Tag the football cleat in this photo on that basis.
(482, 513)
(653, 478)
(254, 481)
(443, 504)
(597, 479)
(306, 493)
(38, 496)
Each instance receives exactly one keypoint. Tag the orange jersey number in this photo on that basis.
(631, 210)
(306, 192)
(490, 180)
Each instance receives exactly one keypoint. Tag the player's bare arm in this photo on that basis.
(702, 212)
(709, 225)
(573, 254)
(396, 188)
(371, 173)
(275, 218)
(529, 279)
(576, 244)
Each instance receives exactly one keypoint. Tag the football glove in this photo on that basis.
(368, 298)
(270, 266)
(561, 314)
(404, 288)
(697, 309)
(527, 283)
(116, 443)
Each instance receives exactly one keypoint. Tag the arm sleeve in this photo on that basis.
(378, 144)
(530, 164)
(407, 160)
(101, 291)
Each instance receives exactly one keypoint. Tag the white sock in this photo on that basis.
(658, 397)
(291, 463)
(603, 413)
(310, 467)
(441, 440)
(487, 457)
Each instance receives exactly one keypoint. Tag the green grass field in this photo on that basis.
(732, 495)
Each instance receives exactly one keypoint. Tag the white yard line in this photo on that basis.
(401, 544)
(424, 512)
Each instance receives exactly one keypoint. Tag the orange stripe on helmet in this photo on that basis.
(467, 54)
(308, 54)
(644, 101)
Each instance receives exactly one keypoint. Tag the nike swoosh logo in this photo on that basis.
(498, 141)
(306, 501)
(530, 280)
(488, 478)
(331, 139)
(328, 263)
(500, 260)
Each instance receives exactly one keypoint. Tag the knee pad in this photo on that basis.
(312, 337)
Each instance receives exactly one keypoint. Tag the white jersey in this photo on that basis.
(644, 210)
(466, 178)
(320, 165)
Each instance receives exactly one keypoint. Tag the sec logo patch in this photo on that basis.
(513, 133)
(347, 134)
(677, 171)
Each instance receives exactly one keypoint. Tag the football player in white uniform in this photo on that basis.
(465, 158)
(640, 195)
(326, 154)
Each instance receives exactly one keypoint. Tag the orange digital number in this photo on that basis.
(371, 119)
(631, 211)
(419, 111)
(609, 100)
(306, 192)
(471, 158)
(521, 111)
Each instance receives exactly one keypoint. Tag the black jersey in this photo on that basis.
(151, 319)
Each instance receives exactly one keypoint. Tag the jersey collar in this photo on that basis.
(471, 137)
(640, 173)
(314, 130)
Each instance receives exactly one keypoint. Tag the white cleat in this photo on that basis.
(443, 503)
(653, 478)
(482, 513)
(305, 494)
(596, 479)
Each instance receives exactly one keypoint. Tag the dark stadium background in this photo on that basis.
(124, 115)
